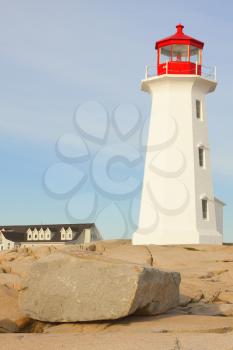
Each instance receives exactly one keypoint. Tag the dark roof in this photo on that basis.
(52, 227)
(15, 236)
(19, 233)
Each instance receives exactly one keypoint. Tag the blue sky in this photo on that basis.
(56, 55)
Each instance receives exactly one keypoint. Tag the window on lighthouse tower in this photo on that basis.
(204, 209)
(198, 109)
(201, 156)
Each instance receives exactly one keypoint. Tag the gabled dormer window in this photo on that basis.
(35, 234)
(69, 234)
(41, 234)
(29, 234)
(47, 234)
(63, 234)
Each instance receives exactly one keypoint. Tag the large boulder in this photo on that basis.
(88, 287)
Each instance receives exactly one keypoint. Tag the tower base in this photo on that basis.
(179, 237)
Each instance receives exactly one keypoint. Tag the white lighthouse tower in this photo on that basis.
(177, 203)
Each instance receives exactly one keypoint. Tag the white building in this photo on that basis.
(178, 204)
(34, 235)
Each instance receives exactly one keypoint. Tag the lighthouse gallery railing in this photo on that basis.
(206, 72)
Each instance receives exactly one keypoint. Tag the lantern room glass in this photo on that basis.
(195, 55)
(165, 54)
(180, 53)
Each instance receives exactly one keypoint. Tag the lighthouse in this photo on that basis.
(177, 201)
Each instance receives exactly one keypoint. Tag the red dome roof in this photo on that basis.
(179, 38)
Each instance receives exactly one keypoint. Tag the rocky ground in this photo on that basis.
(203, 320)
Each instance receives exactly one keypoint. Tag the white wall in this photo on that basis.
(219, 206)
(87, 235)
(173, 183)
(6, 244)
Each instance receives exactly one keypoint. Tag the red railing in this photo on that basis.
(186, 68)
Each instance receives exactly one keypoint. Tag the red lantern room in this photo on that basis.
(179, 54)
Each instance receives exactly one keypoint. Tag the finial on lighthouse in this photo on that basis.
(179, 28)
